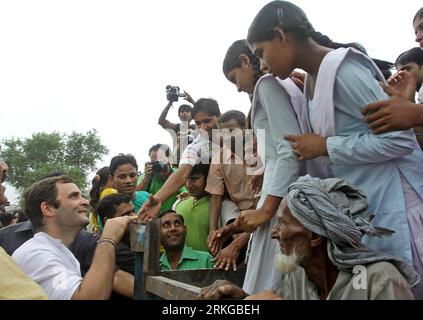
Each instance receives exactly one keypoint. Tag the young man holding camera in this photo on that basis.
(179, 131)
(156, 172)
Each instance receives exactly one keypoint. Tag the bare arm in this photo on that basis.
(215, 207)
(123, 283)
(250, 220)
(98, 282)
(166, 124)
(172, 185)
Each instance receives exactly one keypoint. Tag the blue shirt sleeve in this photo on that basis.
(282, 121)
(355, 144)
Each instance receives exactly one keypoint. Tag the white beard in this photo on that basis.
(287, 264)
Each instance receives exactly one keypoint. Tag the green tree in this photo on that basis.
(44, 153)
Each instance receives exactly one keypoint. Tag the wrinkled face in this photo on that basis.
(185, 115)
(415, 70)
(206, 122)
(196, 184)
(293, 238)
(276, 56)
(73, 208)
(418, 29)
(172, 232)
(125, 179)
(243, 78)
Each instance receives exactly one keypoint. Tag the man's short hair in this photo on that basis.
(165, 213)
(53, 174)
(120, 160)
(209, 106)
(238, 116)
(200, 169)
(159, 146)
(184, 108)
(42, 191)
(108, 205)
(413, 55)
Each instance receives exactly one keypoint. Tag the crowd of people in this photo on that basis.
(317, 183)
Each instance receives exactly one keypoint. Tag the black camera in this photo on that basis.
(159, 167)
(173, 93)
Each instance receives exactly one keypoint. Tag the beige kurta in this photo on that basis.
(384, 282)
(16, 285)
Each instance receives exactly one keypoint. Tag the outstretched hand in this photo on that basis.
(250, 220)
(222, 289)
(218, 237)
(150, 209)
(393, 115)
(227, 258)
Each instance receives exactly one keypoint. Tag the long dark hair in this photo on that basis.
(98, 183)
(292, 19)
(232, 60)
(419, 14)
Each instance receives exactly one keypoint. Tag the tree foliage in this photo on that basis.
(45, 153)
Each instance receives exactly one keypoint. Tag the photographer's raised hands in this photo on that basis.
(150, 209)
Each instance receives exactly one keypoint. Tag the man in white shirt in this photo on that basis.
(206, 114)
(58, 212)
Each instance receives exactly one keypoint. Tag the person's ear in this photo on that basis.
(111, 181)
(281, 35)
(46, 209)
(244, 60)
(316, 240)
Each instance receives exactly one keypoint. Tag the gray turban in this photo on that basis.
(334, 209)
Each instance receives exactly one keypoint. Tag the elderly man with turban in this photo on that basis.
(319, 229)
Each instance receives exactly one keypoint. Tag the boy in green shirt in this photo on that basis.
(195, 209)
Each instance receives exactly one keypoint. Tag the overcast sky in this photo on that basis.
(82, 64)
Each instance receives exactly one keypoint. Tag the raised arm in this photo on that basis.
(166, 124)
(151, 208)
(98, 282)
